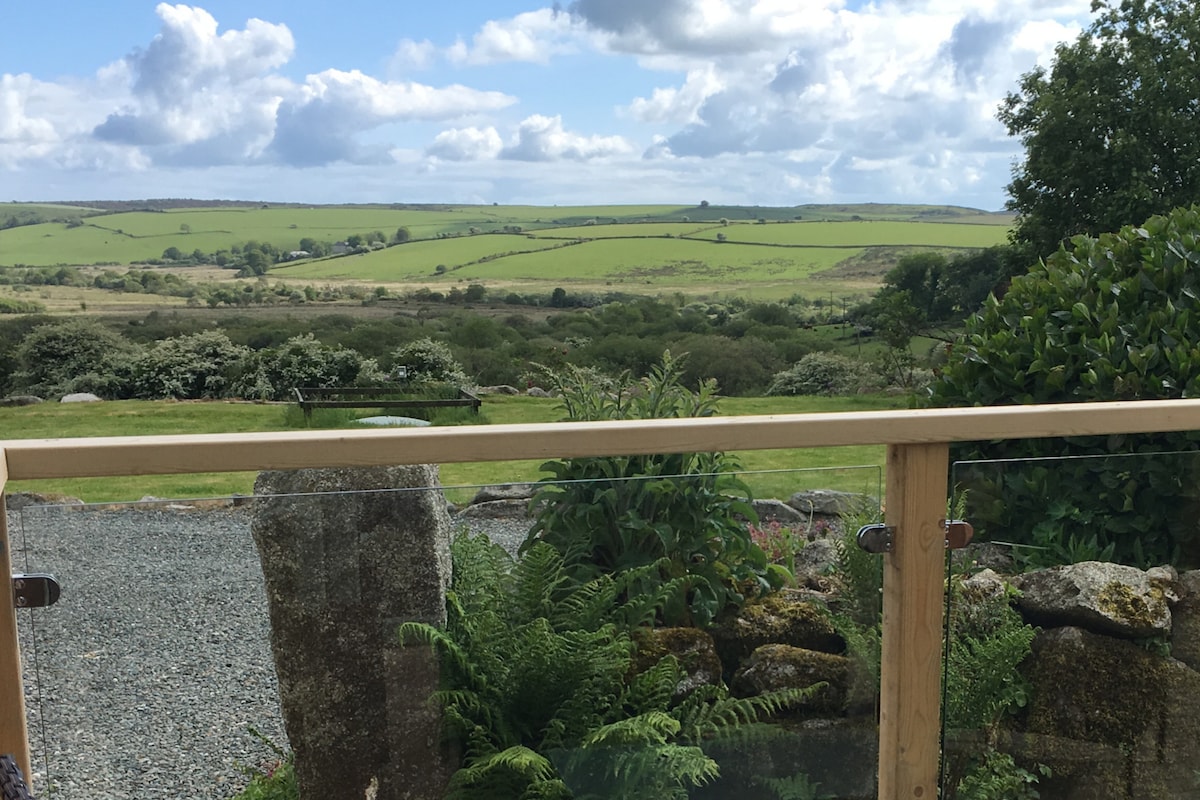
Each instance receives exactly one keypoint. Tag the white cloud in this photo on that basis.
(413, 55)
(533, 36)
(466, 144)
(678, 105)
(541, 138)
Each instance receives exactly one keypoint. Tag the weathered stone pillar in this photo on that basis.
(347, 556)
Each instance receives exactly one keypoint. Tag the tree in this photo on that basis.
(401, 236)
(430, 361)
(1110, 131)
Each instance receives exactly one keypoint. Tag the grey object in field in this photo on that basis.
(80, 397)
(348, 555)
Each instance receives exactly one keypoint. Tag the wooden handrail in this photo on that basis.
(30, 459)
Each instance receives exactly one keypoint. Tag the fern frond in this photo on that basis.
(518, 760)
(703, 714)
(653, 689)
(653, 727)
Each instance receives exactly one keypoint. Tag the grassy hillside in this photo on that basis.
(132, 236)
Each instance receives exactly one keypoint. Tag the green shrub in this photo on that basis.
(302, 361)
(827, 374)
(1113, 318)
(187, 367)
(686, 512)
(79, 355)
(430, 361)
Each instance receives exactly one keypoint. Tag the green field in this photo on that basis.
(630, 230)
(849, 468)
(863, 234)
(414, 261)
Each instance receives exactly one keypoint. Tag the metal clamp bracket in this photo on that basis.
(880, 538)
(35, 591)
(877, 538)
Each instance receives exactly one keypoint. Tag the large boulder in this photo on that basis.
(691, 647)
(1106, 598)
(80, 397)
(1185, 616)
(347, 556)
(779, 666)
(788, 617)
(1110, 718)
(20, 400)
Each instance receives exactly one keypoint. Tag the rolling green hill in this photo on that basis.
(673, 248)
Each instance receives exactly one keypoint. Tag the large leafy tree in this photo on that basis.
(1112, 131)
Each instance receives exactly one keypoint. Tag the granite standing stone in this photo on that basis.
(345, 564)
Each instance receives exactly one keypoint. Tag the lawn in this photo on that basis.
(773, 473)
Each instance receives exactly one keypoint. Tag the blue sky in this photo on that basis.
(767, 102)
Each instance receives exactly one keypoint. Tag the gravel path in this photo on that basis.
(145, 679)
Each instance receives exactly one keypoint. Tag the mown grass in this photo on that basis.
(774, 473)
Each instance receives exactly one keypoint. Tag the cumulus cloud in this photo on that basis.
(466, 144)
(533, 36)
(541, 138)
(678, 105)
(199, 96)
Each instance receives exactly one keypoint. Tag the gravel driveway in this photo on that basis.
(145, 679)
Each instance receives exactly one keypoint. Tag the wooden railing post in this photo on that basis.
(910, 697)
(14, 734)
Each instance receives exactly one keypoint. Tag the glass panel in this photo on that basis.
(153, 675)
(1071, 657)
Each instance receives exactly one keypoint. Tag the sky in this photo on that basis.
(748, 102)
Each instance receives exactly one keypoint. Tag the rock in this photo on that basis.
(19, 500)
(537, 391)
(344, 565)
(984, 585)
(507, 491)
(816, 557)
(495, 509)
(1185, 621)
(1096, 595)
(780, 666)
(692, 647)
(21, 400)
(1110, 718)
(501, 389)
(777, 511)
(985, 555)
(824, 502)
(80, 397)
(786, 617)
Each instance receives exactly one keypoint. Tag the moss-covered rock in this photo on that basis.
(1111, 719)
(692, 648)
(780, 666)
(788, 617)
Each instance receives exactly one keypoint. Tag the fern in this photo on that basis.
(541, 694)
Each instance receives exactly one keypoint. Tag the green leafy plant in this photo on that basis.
(988, 640)
(540, 687)
(273, 781)
(684, 512)
(1108, 318)
(998, 777)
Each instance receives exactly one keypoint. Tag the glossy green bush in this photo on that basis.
(1111, 318)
